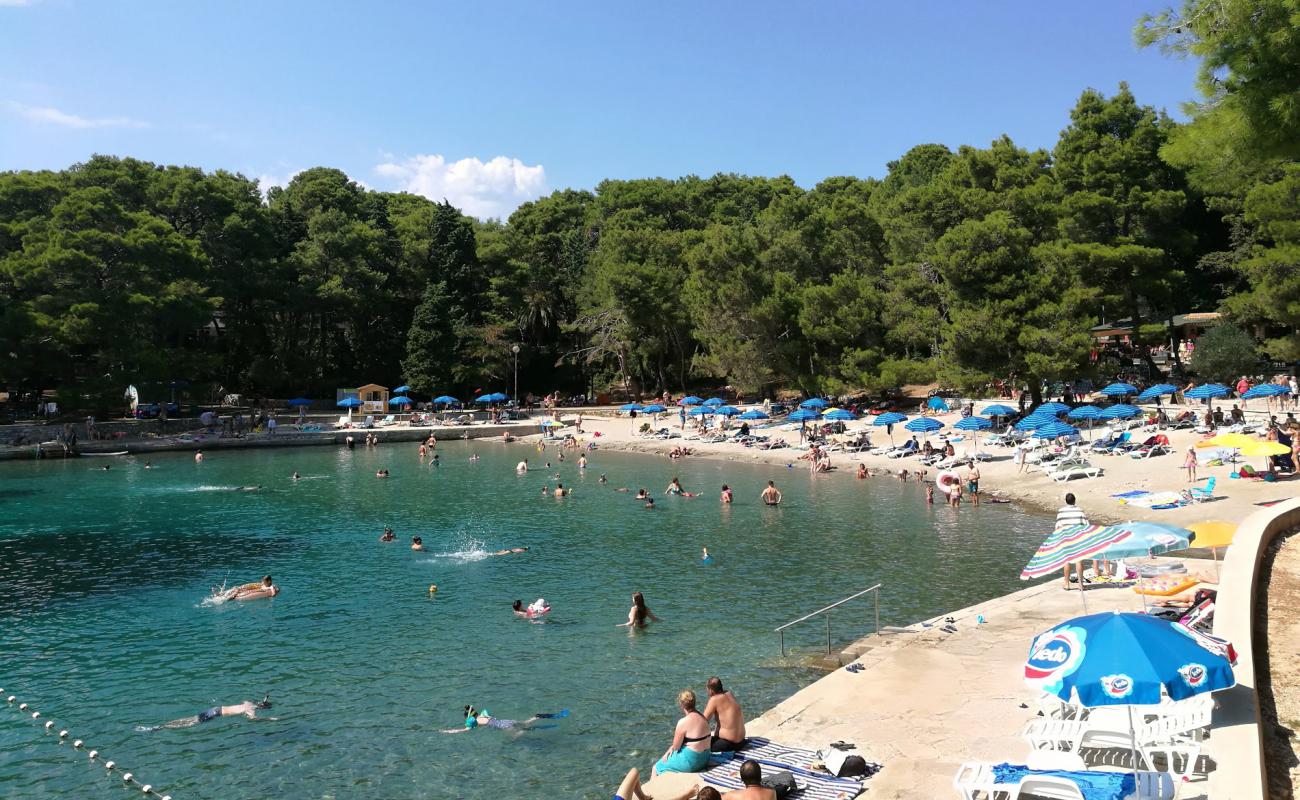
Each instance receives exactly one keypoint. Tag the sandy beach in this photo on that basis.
(1234, 499)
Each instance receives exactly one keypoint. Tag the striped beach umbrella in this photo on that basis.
(889, 418)
(973, 424)
(1119, 390)
(1070, 544)
(839, 415)
(1033, 421)
(1120, 411)
(1152, 392)
(1052, 408)
(1052, 430)
(999, 410)
(1207, 390)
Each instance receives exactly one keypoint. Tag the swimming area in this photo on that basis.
(104, 577)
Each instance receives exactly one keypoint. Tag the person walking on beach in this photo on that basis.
(1189, 463)
(973, 481)
(1069, 515)
(771, 495)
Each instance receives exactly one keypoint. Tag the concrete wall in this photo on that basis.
(1238, 735)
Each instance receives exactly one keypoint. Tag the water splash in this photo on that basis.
(467, 549)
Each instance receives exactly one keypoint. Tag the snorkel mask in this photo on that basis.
(266, 702)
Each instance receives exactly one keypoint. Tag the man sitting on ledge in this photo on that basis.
(722, 706)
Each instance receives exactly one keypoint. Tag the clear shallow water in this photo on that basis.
(103, 625)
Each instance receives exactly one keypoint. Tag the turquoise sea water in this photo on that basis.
(103, 624)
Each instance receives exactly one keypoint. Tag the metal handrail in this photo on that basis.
(781, 630)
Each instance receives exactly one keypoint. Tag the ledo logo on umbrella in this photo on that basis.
(1193, 674)
(1117, 686)
(1055, 655)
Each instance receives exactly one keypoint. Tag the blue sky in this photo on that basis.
(490, 103)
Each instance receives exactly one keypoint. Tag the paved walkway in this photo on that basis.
(928, 701)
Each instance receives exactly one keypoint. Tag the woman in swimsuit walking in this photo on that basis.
(689, 751)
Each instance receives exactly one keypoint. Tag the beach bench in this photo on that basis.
(1063, 471)
(1177, 730)
(976, 780)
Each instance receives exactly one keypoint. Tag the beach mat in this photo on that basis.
(776, 758)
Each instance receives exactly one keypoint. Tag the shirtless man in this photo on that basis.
(722, 706)
(509, 552)
(751, 775)
(254, 591)
(247, 708)
(771, 495)
(973, 482)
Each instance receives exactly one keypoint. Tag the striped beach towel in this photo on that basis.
(776, 758)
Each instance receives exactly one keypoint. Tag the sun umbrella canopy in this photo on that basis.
(1228, 440)
(654, 408)
(1263, 447)
(937, 403)
(1126, 540)
(1119, 390)
(1052, 408)
(445, 398)
(349, 402)
(840, 415)
(298, 401)
(1208, 390)
(924, 425)
(889, 418)
(999, 410)
(714, 401)
(1033, 421)
(973, 424)
(1152, 392)
(1213, 533)
(494, 397)
(403, 389)
(1084, 412)
(690, 400)
(726, 411)
(399, 401)
(803, 415)
(702, 411)
(1120, 411)
(1148, 539)
(753, 413)
(631, 407)
(1124, 659)
(552, 423)
(1053, 429)
(813, 402)
(1264, 390)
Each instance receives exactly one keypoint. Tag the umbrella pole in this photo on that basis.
(1133, 746)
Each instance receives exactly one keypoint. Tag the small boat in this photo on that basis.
(114, 453)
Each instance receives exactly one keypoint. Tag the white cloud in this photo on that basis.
(267, 182)
(53, 116)
(481, 189)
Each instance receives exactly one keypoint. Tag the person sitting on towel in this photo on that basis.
(751, 774)
(722, 706)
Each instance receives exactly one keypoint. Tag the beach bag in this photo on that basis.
(843, 764)
(782, 783)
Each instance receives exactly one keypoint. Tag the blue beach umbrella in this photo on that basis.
(973, 424)
(753, 413)
(1119, 390)
(1120, 411)
(1264, 390)
(840, 415)
(298, 401)
(1032, 421)
(889, 418)
(999, 410)
(936, 403)
(403, 389)
(399, 401)
(1084, 412)
(813, 402)
(702, 411)
(690, 400)
(1111, 659)
(803, 415)
(726, 411)
(1207, 390)
(445, 399)
(924, 425)
(349, 402)
(1152, 392)
(1051, 408)
(1053, 429)
(714, 401)
(654, 408)
(631, 407)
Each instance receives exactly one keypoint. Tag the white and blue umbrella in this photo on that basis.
(631, 407)
(1152, 392)
(403, 389)
(654, 408)
(1264, 390)
(889, 418)
(1033, 421)
(803, 415)
(1051, 408)
(1052, 430)
(926, 425)
(399, 401)
(999, 410)
(840, 415)
(973, 424)
(690, 400)
(1207, 390)
(1119, 390)
(726, 411)
(445, 399)
(1084, 412)
(753, 413)
(714, 401)
(1113, 658)
(1120, 411)
(814, 403)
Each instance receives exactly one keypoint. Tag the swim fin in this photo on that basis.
(557, 715)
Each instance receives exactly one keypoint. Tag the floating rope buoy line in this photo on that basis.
(77, 744)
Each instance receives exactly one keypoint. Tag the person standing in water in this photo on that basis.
(639, 614)
(771, 495)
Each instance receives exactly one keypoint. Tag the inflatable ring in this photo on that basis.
(947, 480)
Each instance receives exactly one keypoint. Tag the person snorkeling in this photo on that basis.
(475, 718)
(248, 709)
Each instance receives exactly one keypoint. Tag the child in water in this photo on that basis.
(929, 494)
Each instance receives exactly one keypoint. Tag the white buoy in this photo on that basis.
(77, 744)
(126, 777)
(22, 706)
(63, 734)
(49, 723)
(11, 699)
(146, 788)
(93, 753)
(36, 715)
(109, 764)
(166, 797)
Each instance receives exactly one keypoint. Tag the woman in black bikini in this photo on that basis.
(689, 751)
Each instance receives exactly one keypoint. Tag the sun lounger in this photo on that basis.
(905, 450)
(975, 780)
(1074, 468)
(1202, 493)
(1157, 445)
(386, 421)
(1175, 733)
(344, 422)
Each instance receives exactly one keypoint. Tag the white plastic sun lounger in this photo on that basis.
(976, 780)
(1178, 733)
(1066, 470)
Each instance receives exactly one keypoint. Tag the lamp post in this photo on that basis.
(514, 348)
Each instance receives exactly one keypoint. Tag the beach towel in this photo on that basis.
(811, 785)
(1128, 495)
(1093, 785)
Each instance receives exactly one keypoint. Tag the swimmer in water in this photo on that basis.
(475, 718)
(674, 487)
(522, 466)
(383, 473)
(771, 495)
(297, 477)
(474, 457)
(511, 551)
(649, 502)
(706, 558)
(602, 479)
(198, 456)
(726, 496)
(148, 465)
(248, 708)
(862, 472)
(256, 488)
(582, 462)
(642, 495)
(252, 591)
(546, 490)
(105, 467)
(929, 494)
(437, 462)
(388, 536)
(417, 543)
(560, 491)
(639, 614)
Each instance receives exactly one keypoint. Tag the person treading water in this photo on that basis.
(475, 718)
(248, 709)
